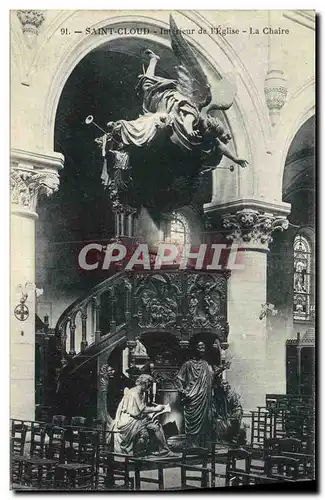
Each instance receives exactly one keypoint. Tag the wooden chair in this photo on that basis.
(282, 467)
(38, 434)
(77, 423)
(17, 458)
(40, 470)
(59, 420)
(217, 457)
(158, 465)
(37, 448)
(144, 464)
(72, 436)
(80, 474)
(292, 448)
(262, 426)
(199, 464)
(114, 471)
(234, 456)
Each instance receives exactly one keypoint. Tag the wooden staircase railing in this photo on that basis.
(85, 312)
(181, 303)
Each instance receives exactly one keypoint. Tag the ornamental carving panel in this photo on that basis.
(206, 298)
(26, 185)
(251, 226)
(157, 304)
(181, 302)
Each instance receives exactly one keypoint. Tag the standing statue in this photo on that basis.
(196, 381)
(174, 109)
(136, 430)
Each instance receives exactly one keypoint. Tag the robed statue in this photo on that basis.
(174, 109)
(196, 380)
(137, 430)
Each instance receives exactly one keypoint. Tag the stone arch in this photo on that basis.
(216, 56)
(298, 110)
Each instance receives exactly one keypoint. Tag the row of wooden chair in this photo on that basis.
(267, 424)
(76, 457)
(199, 467)
(56, 457)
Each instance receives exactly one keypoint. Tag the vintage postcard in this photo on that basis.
(162, 249)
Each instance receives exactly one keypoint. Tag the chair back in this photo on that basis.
(195, 452)
(292, 445)
(78, 421)
(239, 455)
(18, 438)
(38, 433)
(271, 446)
(98, 423)
(72, 435)
(281, 446)
(198, 456)
(59, 420)
(56, 448)
(282, 467)
(88, 447)
(234, 457)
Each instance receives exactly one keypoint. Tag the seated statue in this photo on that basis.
(229, 414)
(137, 431)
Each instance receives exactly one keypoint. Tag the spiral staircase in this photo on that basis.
(162, 309)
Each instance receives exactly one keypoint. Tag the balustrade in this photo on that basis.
(183, 303)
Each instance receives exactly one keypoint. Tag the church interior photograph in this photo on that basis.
(162, 314)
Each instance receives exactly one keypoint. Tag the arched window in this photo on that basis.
(301, 278)
(179, 232)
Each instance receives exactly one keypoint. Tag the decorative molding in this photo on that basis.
(31, 20)
(19, 157)
(253, 227)
(275, 91)
(279, 208)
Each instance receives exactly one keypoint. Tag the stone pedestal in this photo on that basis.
(250, 229)
(31, 175)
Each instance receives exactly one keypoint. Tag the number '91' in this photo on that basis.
(64, 31)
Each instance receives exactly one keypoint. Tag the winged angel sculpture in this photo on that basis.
(175, 108)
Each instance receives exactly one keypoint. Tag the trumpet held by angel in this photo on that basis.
(177, 107)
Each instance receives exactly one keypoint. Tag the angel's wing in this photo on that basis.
(192, 80)
(225, 91)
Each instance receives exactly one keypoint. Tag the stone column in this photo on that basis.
(249, 373)
(32, 174)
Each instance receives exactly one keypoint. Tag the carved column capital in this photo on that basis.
(27, 185)
(253, 228)
(31, 176)
(31, 20)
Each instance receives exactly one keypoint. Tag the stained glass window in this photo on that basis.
(178, 231)
(301, 278)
